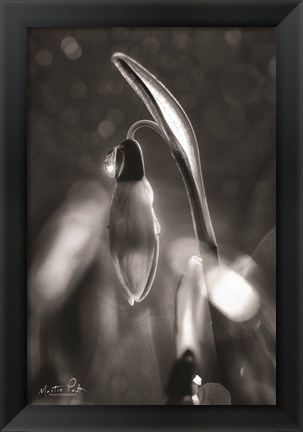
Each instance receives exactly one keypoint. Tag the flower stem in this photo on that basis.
(144, 123)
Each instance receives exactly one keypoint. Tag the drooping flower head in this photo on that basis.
(133, 226)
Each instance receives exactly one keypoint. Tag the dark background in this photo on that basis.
(80, 108)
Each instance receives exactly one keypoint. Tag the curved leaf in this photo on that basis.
(180, 136)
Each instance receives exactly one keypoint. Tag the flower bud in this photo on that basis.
(133, 226)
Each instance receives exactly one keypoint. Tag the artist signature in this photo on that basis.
(72, 388)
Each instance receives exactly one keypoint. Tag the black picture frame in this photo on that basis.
(16, 17)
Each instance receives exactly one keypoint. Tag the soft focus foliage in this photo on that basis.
(193, 321)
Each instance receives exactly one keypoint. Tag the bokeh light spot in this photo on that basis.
(106, 129)
(181, 39)
(214, 394)
(44, 57)
(71, 48)
(232, 295)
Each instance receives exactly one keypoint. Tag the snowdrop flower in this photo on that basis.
(133, 226)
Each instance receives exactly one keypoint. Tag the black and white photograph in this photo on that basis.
(151, 216)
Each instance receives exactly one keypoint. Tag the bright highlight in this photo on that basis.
(232, 295)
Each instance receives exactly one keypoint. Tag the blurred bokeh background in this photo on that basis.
(79, 108)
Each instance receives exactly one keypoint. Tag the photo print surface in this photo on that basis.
(151, 216)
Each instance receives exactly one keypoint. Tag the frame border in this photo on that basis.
(16, 16)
